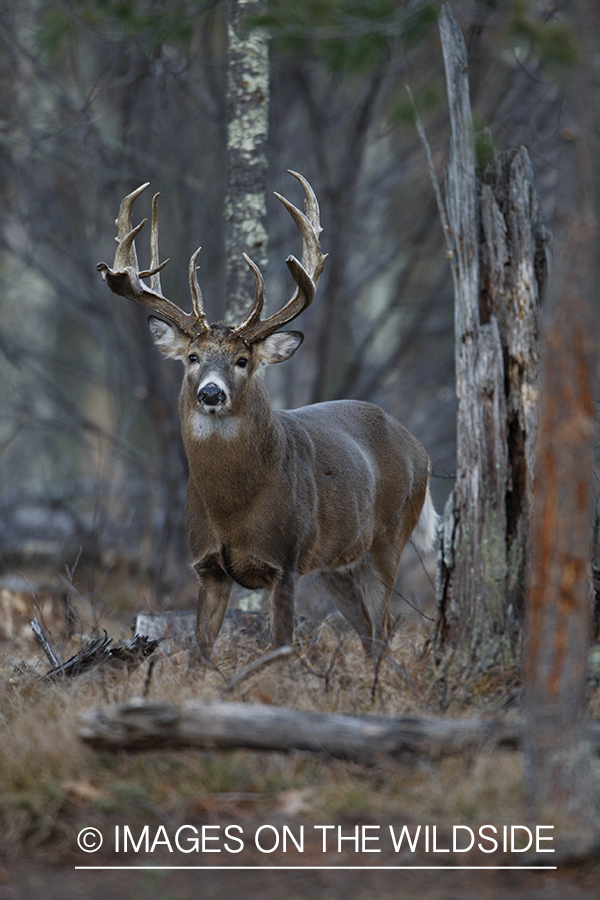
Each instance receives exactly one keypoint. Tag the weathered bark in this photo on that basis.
(247, 130)
(226, 726)
(102, 652)
(498, 245)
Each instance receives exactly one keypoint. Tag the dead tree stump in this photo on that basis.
(499, 250)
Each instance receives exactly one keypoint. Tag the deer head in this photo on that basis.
(220, 360)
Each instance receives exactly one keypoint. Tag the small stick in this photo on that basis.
(267, 659)
(432, 174)
(148, 679)
(38, 630)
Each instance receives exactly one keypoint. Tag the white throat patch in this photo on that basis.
(205, 425)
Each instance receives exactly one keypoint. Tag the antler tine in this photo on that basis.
(259, 299)
(126, 255)
(197, 299)
(155, 266)
(312, 258)
(306, 274)
(124, 278)
(311, 204)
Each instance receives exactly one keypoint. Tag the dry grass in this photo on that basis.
(50, 782)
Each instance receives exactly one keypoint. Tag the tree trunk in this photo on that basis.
(558, 759)
(247, 130)
(498, 245)
(559, 773)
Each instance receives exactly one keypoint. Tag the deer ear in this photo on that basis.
(278, 347)
(169, 338)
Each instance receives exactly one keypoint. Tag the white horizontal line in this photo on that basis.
(310, 868)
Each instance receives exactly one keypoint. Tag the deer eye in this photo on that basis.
(242, 362)
(192, 358)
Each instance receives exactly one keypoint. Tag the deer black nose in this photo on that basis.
(211, 394)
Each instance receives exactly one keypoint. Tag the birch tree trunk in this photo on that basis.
(247, 130)
(498, 245)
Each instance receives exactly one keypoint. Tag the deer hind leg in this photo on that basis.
(213, 597)
(384, 559)
(362, 594)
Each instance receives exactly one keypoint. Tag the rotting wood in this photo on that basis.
(499, 249)
(178, 625)
(227, 726)
(128, 655)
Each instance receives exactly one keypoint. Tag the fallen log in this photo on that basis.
(225, 726)
(179, 625)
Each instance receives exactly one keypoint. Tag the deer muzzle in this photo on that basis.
(212, 395)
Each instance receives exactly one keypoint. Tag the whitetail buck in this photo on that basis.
(335, 488)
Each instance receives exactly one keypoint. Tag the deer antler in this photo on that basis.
(306, 274)
(124, 278)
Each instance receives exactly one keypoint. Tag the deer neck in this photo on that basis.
(233, 459)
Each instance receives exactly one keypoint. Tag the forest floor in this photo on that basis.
(339, 820)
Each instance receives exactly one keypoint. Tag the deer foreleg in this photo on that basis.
(213, 597)
(282, 605)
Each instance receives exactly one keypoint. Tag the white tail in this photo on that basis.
(334, 488)
(425, 534)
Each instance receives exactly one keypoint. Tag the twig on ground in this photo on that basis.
(251, 668)
(44, 642)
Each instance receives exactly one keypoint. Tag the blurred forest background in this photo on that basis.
(99, 96)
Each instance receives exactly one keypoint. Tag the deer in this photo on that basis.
(334, 488)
